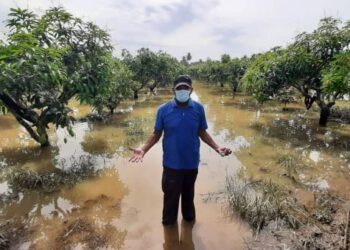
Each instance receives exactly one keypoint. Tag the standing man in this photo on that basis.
(183, 122)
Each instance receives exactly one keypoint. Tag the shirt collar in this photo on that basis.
(174, 104)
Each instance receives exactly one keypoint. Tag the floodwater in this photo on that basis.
(120, 206)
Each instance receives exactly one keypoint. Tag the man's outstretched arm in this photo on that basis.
(140, 152)
(205, 136)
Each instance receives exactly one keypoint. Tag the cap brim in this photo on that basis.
(182, 84)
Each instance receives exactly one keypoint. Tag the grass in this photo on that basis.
(340, 114)
(136, 131)
(290, 165)
(260, 203)
(4, 236)
(80, 169)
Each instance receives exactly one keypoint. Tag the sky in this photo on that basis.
(205, 28)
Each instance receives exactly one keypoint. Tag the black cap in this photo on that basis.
(183, 79)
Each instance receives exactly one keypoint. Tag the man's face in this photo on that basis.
(183, 87)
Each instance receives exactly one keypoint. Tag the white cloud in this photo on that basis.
(205, 28)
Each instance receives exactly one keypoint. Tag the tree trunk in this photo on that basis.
(151, 90)
(18, 109)
(136, 94)
(111, 111)
(43, 137)
(324, 114)
(221, 84)
(152, 87)
(23, 116)
(235, 87)
(308, 101)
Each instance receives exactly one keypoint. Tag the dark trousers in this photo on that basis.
(176, 183)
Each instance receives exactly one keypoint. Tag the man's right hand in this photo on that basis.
(138, 155)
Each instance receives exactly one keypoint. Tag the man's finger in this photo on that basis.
(137, 159)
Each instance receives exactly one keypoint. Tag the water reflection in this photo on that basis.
(117, 135)
(175, 241)
(315, 156)
(81, 214)
(29, 157)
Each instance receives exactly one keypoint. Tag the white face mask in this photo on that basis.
(182, 95)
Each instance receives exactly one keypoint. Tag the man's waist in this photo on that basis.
(170, 169)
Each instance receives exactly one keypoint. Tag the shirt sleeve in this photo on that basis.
(203, 121)
(159, 120)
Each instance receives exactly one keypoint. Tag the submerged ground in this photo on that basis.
(117, 204)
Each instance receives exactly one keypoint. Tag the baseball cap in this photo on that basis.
(183, 80)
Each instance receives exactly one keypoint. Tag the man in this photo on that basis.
(183, 122)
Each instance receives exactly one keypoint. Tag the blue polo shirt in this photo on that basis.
(181, 127)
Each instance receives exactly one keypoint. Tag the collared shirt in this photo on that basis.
(181, 126)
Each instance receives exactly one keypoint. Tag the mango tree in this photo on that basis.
(164, 70)
(120, 87)
(44, 62)
(221, 72)
(235, 69)
(258, 79)
(141, 66)
(151, 69)
(336, 78)
(198, 70)
(304, 66)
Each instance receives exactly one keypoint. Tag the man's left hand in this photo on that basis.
(224, 151)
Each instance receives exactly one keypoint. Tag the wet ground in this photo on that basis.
(120, 206)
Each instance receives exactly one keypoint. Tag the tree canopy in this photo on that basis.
(45, 61)
(151, 69)
(315, 64)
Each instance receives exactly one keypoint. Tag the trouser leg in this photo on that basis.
(187, 195)
(171, 186)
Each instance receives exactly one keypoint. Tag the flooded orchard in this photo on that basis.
(83, 193)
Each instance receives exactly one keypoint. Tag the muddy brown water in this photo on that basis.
(120, 208)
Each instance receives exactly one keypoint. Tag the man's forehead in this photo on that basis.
(182, 84)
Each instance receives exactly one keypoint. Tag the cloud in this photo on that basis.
(204, 28)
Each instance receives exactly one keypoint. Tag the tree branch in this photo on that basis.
(32, 133)
(65, 96)
(18, 109)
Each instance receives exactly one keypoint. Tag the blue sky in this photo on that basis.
(205, 28)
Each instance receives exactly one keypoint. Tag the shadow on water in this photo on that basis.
(300, 132)
(273, 107)
(33, 157)
(122, 130)
(117, 135)
(7, 123)
(82, 214)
